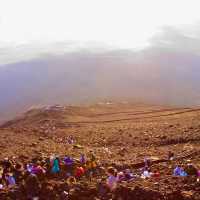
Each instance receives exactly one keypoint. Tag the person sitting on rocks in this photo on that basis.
(102, 188)
(92, 163)
(120, 177)
(29, 167)
(179, 171)
(68, 160)
(7, 167)
(7, 164)
(10, 180)
(69, 165)
(38, 170)
(79, 172)
(112, 179)
(89, 169)
(146, 173)
(155, 173)
(56, 166)
(128, 175)
(18, 172)
(32, 186)
(92, 156)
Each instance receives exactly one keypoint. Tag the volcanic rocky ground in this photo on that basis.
(120, 134)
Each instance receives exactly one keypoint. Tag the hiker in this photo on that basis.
(112, 179)
(36, 169)
(90, 169)
(128, 175)
(178, 171)
(91, 164)
(92, 156)
(10, 180)
(39, 171)
(7, 164)
(7, 167)
(155, 174)
(146, 173)
(69, 164)
(79, 172)
(56, 166)
(32, 186)
(18, 172)
(29, 167)
(102, 188)
(120, 176)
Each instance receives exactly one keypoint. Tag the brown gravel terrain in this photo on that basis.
(119, 134)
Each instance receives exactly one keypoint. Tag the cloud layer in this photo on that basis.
(166, 72)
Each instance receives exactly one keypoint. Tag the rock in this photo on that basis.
(34, 144)
(41, 139)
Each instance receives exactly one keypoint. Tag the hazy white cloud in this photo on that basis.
(24, 52)
(33, 28)
(119, 23)
(174, 39)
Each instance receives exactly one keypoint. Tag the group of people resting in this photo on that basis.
(188, 170)
(11, 171)
(32, 173)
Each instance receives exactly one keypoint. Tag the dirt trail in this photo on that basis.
(138, 113)
(185, 110)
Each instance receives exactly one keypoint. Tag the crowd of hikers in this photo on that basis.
(74, 170)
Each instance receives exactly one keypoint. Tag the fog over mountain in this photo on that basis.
(167, 72)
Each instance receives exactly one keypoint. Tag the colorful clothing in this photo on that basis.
(56, 167)
(112, 182)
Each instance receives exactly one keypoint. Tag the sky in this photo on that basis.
(29, 28)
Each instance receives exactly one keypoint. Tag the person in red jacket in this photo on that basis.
(79, 172)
